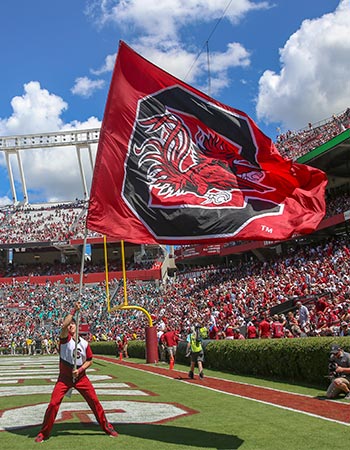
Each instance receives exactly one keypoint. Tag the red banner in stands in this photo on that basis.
(229, 248)
(144, 275)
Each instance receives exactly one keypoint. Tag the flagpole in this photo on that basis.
(77, 320)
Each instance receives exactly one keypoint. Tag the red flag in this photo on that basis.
(175, 166)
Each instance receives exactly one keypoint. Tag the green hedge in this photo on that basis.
(303, 360)
(136, 349)
(104, 348)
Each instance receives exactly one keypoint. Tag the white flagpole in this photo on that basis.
(77, 320)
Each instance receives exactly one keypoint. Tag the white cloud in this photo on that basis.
(220, 63)
(91, 122)
(314, 79)
(35, 111)
(165, 18)
(236, 55)
(107, 66)
(50, 174)
(171, 56)
(39, 111)
(5, 201)
(53, 174)
(85, 87)
(158, 26)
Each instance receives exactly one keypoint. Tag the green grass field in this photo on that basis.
(220, 421)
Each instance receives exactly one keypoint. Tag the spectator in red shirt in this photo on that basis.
(321, 304)
(277, 328)
(264, 328)
(229, 332)
(213, 331)
(321, 323)
(251, 331)
(170, 339)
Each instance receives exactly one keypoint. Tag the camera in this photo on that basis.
(332, 369)
(332, 366)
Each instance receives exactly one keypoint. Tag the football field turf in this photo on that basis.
(165, 410)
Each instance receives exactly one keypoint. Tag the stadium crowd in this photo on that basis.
(55, 223)
(63, 222)
(295, 144)
(230, 302)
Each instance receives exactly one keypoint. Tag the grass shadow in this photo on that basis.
(322, 397)
(183, 437)
(61, 429)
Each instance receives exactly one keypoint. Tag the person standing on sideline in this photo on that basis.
(170, 339)
(125, 345)
(69, 378)
(161, 345)
(29, 343)
(195, 350)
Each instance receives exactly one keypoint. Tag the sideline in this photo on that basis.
(330, 410)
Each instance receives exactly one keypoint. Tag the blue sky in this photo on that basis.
(283, 62)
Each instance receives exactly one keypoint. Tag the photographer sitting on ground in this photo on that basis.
(339, 368)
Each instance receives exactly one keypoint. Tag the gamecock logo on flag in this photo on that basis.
(191, 154)
(176, 166)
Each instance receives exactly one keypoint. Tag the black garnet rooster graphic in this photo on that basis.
(192, 166)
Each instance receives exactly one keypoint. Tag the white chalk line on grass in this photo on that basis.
(246, 397)
(115, 389)
(118, 411)
(17, 380)
(28, 360)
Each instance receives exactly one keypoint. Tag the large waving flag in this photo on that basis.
(175, 166)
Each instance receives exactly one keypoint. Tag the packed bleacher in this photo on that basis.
(43, 223)
(26, 224)
(294, 144)
(223, 300)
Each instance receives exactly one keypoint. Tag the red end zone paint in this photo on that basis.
(119, 411)
(326, 409)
